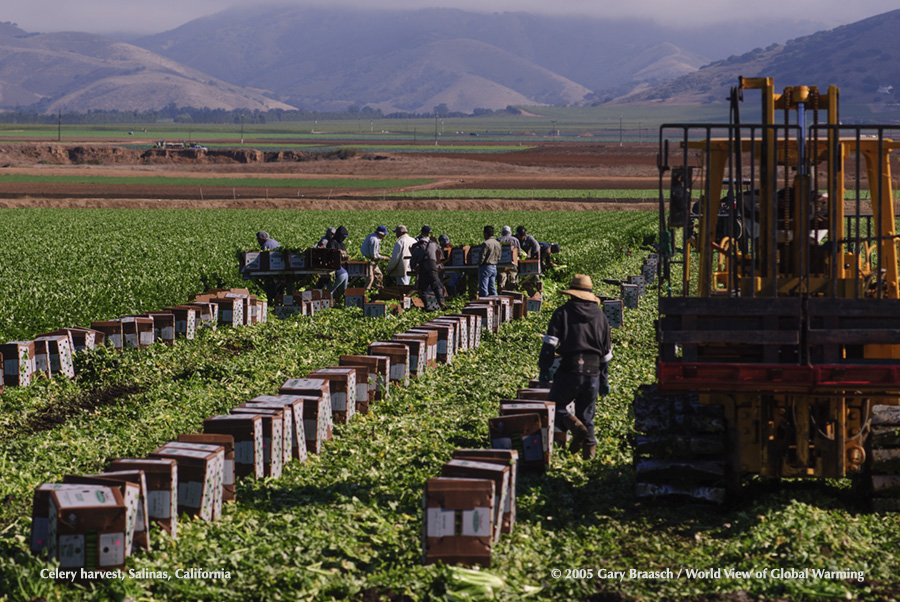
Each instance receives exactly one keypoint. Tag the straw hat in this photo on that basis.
(581, 287)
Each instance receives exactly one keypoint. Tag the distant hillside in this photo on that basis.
(331, 58)
(84, 72)
(862, 59)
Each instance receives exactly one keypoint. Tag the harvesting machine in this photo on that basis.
(779, 304)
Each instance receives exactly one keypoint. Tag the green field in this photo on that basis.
(213, 181)
(347, 524)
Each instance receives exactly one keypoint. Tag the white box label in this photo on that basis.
(441, 523)
(476, 522)
(71, 551)
(159, 503)
(112, 549)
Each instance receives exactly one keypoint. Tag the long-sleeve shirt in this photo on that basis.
(531, 246)
(576, 327)
(371, 247)
(398, 266)
(270, 243)
(490, 252)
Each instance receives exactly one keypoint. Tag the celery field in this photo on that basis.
(346, 525)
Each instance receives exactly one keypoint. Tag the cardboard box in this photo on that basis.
(382, 309)
(630, 295)
(474, 323)
(133, 497)
(231, 311)
(509, 254)
(142, 525)
(365, 386)
(219, 472)
(286, 414)
(417, 343)
(529, 267)
(473, 257)
(639, 281)
(295, 444)
(80, 339)
(87, 527)
(498, 473)
(431, 342)
(59, 355)
(199, 480)
(535, 302)
(187, 318)
(318, 417)
(343, 391)
(485, 311)
(355, 297)
(227, 444)
(458, 522)
(459, 256)
(615, 315)
(380, 366)
(533, 394)
(40, 513)
(247, 432)
(446, 339)
(252, 261)
(209, 314)
(547, 411)
(113, 333)
(137, 332)
(502, 306)
(460, 327)
(18, 363)
(504, 457)
(296, 260)
(247, 303)
(399, 355)
(323, 259)
(273, 437)
(360, 269)
(523, 433)
(162, 488)
(275, 261)
(163, 326)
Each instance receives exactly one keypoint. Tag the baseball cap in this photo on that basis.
(426, 229)
(381, 229)
(400, 229)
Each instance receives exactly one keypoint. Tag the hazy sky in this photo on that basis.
(153, 16)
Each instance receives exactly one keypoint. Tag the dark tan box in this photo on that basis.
(247, 432)
(474, 322)
(218, 470)
(459, 256)
(343, 391)
(485, 311)
(380, 365)
(81, 339)
(523, 433)
(318, 418)
(446, 340)
(417, 344)
(355, 297)
(87, 527)
(364, 379)
(59, 352)
(294, 403)
(286, 412)
(227, 443)
(499, 473)
(187, 318)
(162, 488)
(505, 457)
(40, 514)
(137, 332)
(458, 522)
(163, 326)
(113, 331)
(399, 355)
(197, 480)
(547, 410)
(273, 437)
(134, 500)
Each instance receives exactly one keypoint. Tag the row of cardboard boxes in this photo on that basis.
(313, 259)
(466, 509)
(632, 289)
(52, 352)
(94, 522)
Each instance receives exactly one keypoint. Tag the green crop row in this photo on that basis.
(347, 524)
(531, 193)
(229, 182)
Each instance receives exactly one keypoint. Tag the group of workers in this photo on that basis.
(578, 338)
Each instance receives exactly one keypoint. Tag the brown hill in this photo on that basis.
(83, 72)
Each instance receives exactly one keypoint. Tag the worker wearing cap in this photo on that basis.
(528, 243)
(329, 234)
(579, 333)
(487, 265)
(339, 285)
(507, 277)
(371, 250)
(398, 266)
(272, 286)
(427, 261)
(265, 241)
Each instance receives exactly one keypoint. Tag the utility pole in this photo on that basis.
(620, 130)
(59, 127)
(242, 129)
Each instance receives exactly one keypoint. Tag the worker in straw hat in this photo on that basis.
(579, 333)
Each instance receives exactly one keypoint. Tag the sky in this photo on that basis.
(154, 16)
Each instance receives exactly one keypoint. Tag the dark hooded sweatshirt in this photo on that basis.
(577, 327)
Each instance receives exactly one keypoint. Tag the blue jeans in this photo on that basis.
(583, 389)
(487, 280)
(339, 285)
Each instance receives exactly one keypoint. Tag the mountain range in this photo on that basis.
(334, 59)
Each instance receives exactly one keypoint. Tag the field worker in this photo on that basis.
(340, 276)
(454, 282)
(398, 266)
(323, 242)
(487, 266)
(272, 286)
(579, 332)
(265, 241)
(528, 243)
(507, 277)
(371, 250)
(426, 260)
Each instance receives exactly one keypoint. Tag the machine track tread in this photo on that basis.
(883, 459)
